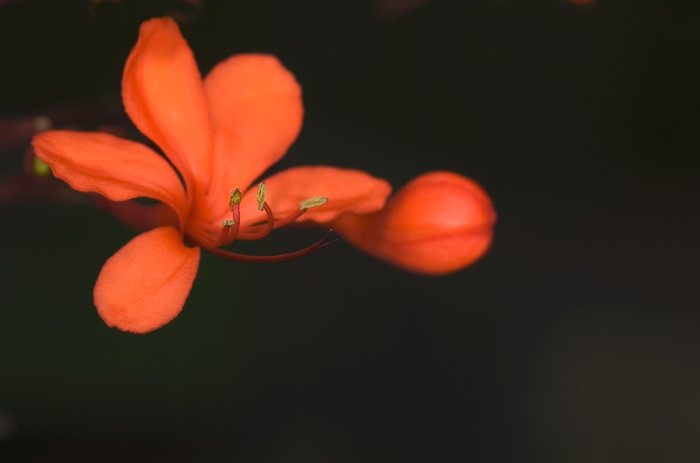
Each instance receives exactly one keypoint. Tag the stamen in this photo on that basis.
(262, 233)
(230, 230)
(278, 258)
(312, 202)
(225, 232)
(234, 203)
(235, 198)
(303, 207)
(262, 195)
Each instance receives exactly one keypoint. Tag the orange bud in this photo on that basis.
(438, 223)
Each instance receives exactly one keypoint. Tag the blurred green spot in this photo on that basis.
(41, 169)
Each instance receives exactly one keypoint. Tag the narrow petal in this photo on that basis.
(145, 284)
(164, 96)
(439, 223)
(117, 169)
(257, 113)
(346, 189)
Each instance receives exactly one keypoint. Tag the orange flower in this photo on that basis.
(220, 133)
(438, 223)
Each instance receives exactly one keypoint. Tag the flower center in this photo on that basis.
(230, 230)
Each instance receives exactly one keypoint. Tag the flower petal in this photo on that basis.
(257, 113)
(117, 169)
(346, 190)
(438, 223)
(145, 284)
(164, 96)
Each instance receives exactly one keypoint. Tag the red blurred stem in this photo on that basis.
(16, 133)
(17, 187)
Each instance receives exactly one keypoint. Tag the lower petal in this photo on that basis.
(145, 284)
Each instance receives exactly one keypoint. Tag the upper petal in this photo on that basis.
(347, 190)
(164, 96)
(117, 169)
(257, 112)
(145, 284)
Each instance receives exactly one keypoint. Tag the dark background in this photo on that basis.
(576, 339)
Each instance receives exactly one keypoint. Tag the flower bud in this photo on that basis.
(438, 223)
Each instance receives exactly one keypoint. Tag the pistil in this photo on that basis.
(320, 244)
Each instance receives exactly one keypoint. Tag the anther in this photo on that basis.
(262, 195)
(230, 231)
(312, 202)
(235, 198)
(225, 232)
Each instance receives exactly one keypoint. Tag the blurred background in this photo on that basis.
(575, 339)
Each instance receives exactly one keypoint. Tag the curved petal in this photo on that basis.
(117, 169)
(346, 189)
(438, 223)
(145, 284)
(257, 112)
(163, 95)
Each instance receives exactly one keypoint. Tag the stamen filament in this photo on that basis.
(278, 258)
(234, 225)
(283, 221)
(223, 236)
(261, 233)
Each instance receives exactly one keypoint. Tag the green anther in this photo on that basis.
(262, 195)
(228, 223)
(235, 198)
(312, 202)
